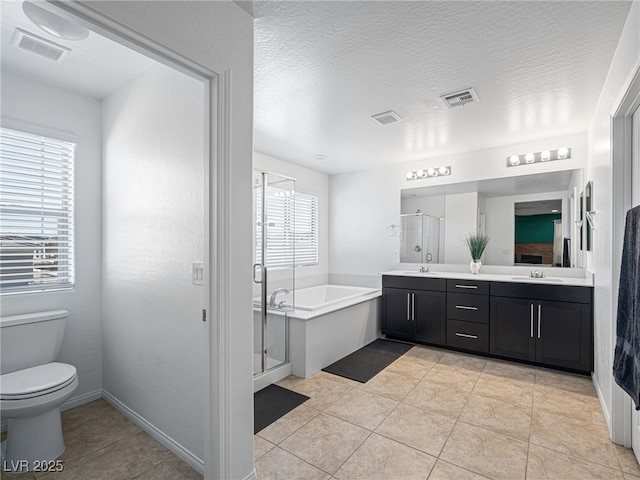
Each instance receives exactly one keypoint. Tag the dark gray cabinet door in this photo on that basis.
(429, 317)
(397, 313)
(563, 335)
(512, 328)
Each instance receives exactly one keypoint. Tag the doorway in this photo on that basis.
(625, 421)
(635, 201)
(143, 335)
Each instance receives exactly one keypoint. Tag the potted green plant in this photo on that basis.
(476, 243)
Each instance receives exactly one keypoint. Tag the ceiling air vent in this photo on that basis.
(38, 45)
(386, 118)
(458, 99)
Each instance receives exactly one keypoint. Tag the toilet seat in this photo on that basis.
(36, 381)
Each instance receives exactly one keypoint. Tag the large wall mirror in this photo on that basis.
(530, 219)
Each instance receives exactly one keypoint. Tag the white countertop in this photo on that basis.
(553, 279)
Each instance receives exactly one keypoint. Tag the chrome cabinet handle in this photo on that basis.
(413, 307)
(532, 320)
(466, 286)
(408, 307)
(463, 307)
(539, 318)
(465, 335)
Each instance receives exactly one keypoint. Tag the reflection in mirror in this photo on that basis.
(419, 238)
(538, 234)
(488, 206)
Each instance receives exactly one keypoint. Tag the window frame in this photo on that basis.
(37, 209)
(311, 229)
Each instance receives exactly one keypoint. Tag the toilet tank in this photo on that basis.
(31, 339)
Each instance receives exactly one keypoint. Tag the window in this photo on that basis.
(292, 220)
(36, 212)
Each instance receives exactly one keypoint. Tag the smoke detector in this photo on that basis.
(459, 99)
(38, 45)
(386, 118)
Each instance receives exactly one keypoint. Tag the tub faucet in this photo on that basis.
(272, 299)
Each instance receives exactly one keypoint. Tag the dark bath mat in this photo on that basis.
(364, 364)
(273, 402)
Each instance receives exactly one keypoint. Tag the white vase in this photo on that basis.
(475, 266)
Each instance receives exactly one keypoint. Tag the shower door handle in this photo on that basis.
(255, 267)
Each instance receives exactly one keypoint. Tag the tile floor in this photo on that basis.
(442, 415)
(431, 414)
(103, 445)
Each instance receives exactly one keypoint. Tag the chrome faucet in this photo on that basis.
(537, 274)
(272, 299)
(424, 270)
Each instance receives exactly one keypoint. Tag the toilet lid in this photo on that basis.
(36, 380)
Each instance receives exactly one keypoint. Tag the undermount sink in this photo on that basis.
(542, 279)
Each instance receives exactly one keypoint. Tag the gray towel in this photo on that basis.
(626, 360)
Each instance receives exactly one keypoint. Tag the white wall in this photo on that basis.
(599, 169)
(432, 205)
(460, 220)
(500, 224)
(307, 181)
(218, 36)
(40, 108)
(362, 204)
(153, 229)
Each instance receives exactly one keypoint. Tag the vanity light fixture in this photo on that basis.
(428, 173)
(537, 157)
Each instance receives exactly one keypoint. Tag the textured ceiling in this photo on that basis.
(323, 68)
(95, 67)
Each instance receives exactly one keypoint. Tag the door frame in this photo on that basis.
(621, 141)
(217, 215)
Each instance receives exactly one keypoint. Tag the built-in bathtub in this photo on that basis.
(330, 322)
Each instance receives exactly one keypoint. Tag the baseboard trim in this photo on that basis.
(603, 404)
(81, 399)
(72, 402)
(165, 440)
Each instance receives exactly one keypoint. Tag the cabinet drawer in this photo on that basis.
(468, 335)
(471, 308)
(414, 283)
(468, 286)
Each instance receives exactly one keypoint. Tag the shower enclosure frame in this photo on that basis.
(261, 269)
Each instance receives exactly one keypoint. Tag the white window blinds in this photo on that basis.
(36, 212)
(292, 228)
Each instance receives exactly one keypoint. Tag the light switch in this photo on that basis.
(197, 273)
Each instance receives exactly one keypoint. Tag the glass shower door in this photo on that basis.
(273, 271)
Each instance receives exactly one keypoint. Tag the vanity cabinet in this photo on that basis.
(468, 315)
(414, 309)
(546, 324)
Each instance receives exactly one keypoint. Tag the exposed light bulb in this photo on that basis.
(545, 156)
(432, 172)
(563, 152)
(529, 158)
(421, 173)
(443, 171)
(410, 175)
(514, 159)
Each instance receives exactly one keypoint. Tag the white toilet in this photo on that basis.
(32, 388)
